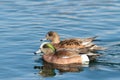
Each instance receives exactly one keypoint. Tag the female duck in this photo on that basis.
(64, 56)
(72, 43)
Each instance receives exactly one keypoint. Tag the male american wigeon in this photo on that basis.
(72, 43)
(65, 56)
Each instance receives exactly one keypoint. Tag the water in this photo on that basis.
(24, 22)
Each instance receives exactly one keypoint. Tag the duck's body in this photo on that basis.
(52, 58)
(72, 43)
(65, 56)
(69, 43)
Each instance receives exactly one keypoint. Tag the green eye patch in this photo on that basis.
(51, 46)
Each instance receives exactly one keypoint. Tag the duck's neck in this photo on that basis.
(56, 40)
(50, 51)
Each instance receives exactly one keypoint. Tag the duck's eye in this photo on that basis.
(50, 34)
(45, 46)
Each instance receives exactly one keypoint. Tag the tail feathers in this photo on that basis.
(95, 47)
(88, 44)
(90, 39)
(93, 38)
(92, 54)
(92, 46)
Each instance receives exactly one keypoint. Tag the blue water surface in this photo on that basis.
(24, 22)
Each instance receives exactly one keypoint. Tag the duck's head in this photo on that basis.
(52, 36)
(46, 48)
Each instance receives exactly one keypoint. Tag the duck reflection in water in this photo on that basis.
(49, 69)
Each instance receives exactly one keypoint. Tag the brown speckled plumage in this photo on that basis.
(72, 43)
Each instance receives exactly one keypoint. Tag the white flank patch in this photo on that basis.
(85, 59)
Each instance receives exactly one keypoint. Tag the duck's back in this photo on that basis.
(71, 43)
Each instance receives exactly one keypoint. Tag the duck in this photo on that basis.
(54, 38)
(65, 55)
